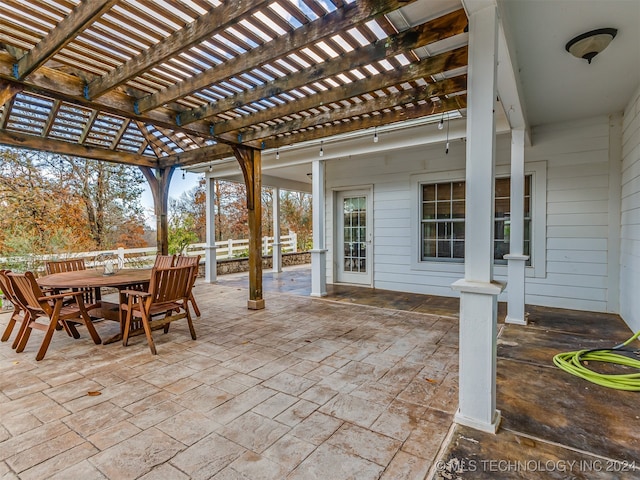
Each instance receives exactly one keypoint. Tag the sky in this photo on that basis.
(176, 188)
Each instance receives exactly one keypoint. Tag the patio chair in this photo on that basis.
(19, 312)
(183, 260)
(51, 307)
(168, 295)
(164, 261)
(91, 296)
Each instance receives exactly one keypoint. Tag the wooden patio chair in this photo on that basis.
(183, 260)
(166, 300)
(90, 296)
(51, 307)
(19, 312)
(164, 261)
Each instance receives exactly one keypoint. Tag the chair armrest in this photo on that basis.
(135, 293)
(60, 295)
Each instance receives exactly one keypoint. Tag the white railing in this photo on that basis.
(146, 256)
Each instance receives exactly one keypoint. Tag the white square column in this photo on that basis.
(478, 291)
(276, 256)
(319, 252)
(516, 259)
(210, 265)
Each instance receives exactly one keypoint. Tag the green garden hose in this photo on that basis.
(572, 362)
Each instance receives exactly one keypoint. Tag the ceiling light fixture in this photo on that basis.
(278, 153)
(590, 44)
(375, 135)
(321, 149)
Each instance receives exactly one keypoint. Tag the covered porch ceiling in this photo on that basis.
(160, 83)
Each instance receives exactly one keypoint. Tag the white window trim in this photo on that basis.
(538, 172)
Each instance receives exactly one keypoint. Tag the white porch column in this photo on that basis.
(277, 246)
(478, 291)
(319, 252)
(210, 248)
(516, 259)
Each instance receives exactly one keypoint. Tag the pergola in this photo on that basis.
(162, 84)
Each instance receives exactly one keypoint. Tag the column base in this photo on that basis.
(255, 304)
(210, 266)
(515, 321)
(318, 273)
(477, 425)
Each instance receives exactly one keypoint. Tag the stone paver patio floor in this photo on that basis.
(304, 389)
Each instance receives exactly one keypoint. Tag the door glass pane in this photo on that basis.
(355, 234)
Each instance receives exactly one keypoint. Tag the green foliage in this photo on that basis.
(181, 232)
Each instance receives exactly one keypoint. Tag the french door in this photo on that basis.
(354, 248)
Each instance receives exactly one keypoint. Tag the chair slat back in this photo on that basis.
(192, 261)
(90, 296)
(165, 261)
(69, 265)
(170, 284)
(29, 293)
(7, 289)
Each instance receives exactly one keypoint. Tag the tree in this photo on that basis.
(295, 210)
(230, 208)
(52, 203)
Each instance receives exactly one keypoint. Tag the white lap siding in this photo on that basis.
(630, 215)
(576, 156)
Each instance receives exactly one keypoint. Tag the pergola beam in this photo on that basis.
(58, 85)
(449, 25)
(404, 97)
(325, 26)
(457, 102)
(8, 91)
(424, 69)
(204, 27)
(70, 27)
(209, 153)
(32, 142)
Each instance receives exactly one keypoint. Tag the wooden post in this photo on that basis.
(250, 160)
(159, 184)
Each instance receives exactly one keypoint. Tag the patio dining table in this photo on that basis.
(122, 280)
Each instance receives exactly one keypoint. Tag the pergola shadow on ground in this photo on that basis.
(306, 389)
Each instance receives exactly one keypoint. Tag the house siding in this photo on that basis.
(630, 215)
(577, 214)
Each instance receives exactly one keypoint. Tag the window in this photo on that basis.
(442, 220)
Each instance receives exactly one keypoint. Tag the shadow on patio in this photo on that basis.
(360, 385)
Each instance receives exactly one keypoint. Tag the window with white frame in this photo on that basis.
(442, 229)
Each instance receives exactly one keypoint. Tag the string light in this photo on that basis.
(277, 153)
(210, 167)
(321, 149)
(183, 174)
(446, 150)
(375, 135)
(441, 122)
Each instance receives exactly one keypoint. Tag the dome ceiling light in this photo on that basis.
(590, 44)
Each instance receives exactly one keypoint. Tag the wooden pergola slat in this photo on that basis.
(356, 12)
(410, 39)
(80, 18)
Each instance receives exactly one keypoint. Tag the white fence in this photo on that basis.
(146, 256)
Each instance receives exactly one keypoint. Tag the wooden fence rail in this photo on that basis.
(140, 257)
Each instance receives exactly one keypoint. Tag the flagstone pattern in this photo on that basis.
(304, 389)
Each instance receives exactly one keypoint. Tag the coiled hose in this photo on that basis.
(572, 362)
